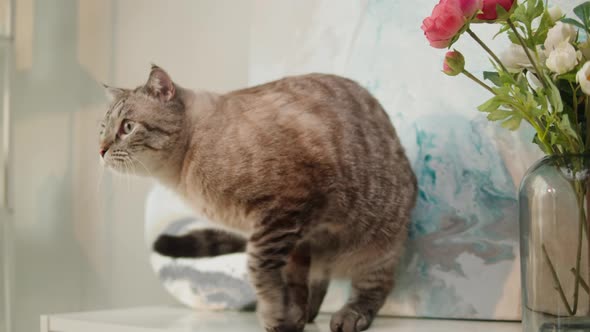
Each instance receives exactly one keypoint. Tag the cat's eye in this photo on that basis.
(126, 127)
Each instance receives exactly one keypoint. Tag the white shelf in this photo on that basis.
(166, 319)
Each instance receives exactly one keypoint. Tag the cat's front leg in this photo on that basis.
(279, 268)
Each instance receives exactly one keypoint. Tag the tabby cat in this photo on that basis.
(308, 169)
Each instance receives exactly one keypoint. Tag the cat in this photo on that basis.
(308, 169)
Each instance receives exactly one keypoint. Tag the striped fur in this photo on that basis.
(308, 168)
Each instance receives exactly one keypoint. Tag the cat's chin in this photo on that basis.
(121, 169)
(128, 170)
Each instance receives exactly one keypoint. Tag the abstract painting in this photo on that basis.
(462, 259)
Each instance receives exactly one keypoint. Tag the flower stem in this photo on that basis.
(587, 113)
(527, 52)
(583, 282)
(581, 222)
(478, 81)
(557, 283)
(487, 49)
(575, 108)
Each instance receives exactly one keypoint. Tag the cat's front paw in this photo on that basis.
(287, 327)
(290, 319)
(348, 319)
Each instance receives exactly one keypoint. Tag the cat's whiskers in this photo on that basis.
(142, 165)
(100, 178)
(121, 169)
(116, 175)
(124, 167)
(132, 167)
(127, 174)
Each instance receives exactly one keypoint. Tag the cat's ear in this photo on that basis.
(112, 93)
(160, 85)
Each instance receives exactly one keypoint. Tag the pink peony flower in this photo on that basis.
(489, 8)
(470, 7)
(447, 19)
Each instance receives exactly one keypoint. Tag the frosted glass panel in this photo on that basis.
(76, 234)
(5, 17)
(4, 117)
(4, 213)
(3, 218)
(50, 100)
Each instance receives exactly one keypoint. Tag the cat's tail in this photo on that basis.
(200, 243)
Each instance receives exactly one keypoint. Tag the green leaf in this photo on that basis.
(520, 14)
(522, 82)
(557, 139)
(512, 37)
(537, 111)
(545, 24)
(490, 105)
(540, 8)
(527, 11)
(570, 77)
(536, 10)
(499, 115)
(493, 77)
(583, 12)
(553, 138)
(573, 22)
(566, 127)
(541, 108)
(504, 28)
(513, 123)
(542, 146)
(554, 95)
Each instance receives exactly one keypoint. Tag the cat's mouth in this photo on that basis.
(125, 163)
(116, 165)
(119, 161)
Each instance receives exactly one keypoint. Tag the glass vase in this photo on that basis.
(554, 244)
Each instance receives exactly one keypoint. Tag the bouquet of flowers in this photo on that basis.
(542, 78)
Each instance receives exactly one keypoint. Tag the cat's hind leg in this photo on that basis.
(369, 290)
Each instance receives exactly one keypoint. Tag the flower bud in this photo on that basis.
(555, 13)
(454, 63)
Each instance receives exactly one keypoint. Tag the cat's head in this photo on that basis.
(142, 131)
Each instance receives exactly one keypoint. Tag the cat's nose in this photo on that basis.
(103, 150)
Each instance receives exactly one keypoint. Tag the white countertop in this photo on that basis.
(168, 319)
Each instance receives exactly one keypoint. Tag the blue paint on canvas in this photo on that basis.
(462, 256)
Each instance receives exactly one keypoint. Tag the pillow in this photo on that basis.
(212, 283)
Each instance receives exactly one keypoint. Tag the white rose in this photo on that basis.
(555, 13)
(559, 33)
(515, 59)
(582, 78)
(563, 58)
